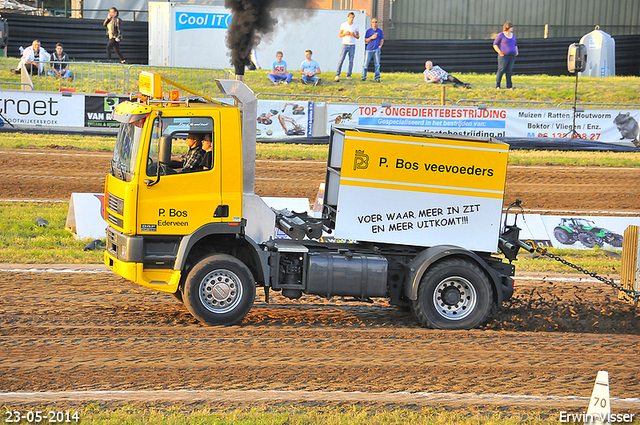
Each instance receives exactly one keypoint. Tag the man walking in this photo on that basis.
(374, 39)
(349, 33)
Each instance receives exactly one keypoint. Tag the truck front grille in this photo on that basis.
(114, 220)
(115, 204)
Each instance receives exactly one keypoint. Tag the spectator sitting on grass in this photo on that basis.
(33, 59)
(279, 71)
(310, 70)
(60, 64)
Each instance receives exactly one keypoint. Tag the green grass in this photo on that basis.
(29, 140)
(595, 260)
(295, 415)
(23, 241)
(289, 151)
(555, 89)
(603, 159)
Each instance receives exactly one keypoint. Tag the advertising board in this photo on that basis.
(189, 35)
(37, 108)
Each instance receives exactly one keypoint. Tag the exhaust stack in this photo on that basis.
(239, 73)
(248, 103)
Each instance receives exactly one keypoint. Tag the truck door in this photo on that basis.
(183, 199)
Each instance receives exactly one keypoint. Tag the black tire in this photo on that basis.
(178, 295)
(219, 290)
(616, 240)
(563, 236)
(453, 294)
(588, 240)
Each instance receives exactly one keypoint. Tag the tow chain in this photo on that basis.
(635, 295)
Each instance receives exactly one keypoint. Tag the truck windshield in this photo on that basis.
(125, 153)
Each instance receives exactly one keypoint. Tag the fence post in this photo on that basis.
(629, 275)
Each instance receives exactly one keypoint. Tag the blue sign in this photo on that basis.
(190, 21)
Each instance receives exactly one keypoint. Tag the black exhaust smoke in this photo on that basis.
(249, 18)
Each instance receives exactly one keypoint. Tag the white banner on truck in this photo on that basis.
(37, 108)
(420, 191)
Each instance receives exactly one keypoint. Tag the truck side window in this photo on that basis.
(183, 131)
(152, 157)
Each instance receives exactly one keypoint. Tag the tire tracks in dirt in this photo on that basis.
(99, 332)
(49, 174)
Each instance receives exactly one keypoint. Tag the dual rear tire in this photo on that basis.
(454, 294)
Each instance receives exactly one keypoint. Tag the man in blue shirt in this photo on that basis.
(374, 39)
(279, 71)
(310, 70)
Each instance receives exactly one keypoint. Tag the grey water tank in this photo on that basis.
(601, 54)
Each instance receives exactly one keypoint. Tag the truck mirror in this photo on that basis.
(164, 150)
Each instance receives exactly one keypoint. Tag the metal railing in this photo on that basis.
(87, 77)
(99, 77)
(9, 83)
(505, 103)
(305, 97)
(403, 100)
(201, 80)
(600, 105)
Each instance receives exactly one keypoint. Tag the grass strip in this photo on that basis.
(541, 88)
(297, 415)
(292, 151)
(24, 241)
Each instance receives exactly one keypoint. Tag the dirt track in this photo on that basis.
(54, 174)
(75, 332)
(64, 331)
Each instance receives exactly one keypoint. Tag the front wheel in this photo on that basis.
(453, 294)
(219, 290)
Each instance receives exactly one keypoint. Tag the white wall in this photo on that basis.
(173, 42)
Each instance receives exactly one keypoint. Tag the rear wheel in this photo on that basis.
(563, 236)
(219, 290)
(453, 294)
(616, 240)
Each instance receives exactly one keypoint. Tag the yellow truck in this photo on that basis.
(409, 216)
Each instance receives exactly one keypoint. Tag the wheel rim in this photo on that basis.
(220, 291)
(455, 298)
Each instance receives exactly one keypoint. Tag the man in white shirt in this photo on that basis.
(349, 32)
(33, 59)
